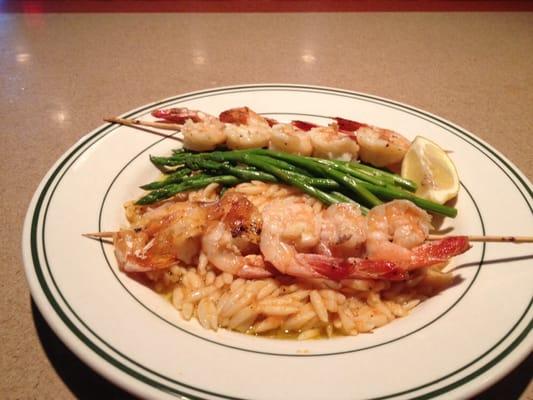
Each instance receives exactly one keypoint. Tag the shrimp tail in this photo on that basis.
(347, 125)
(353, 268)
(243, 116)
(271, 121)
(431, 253)
(237, 116)
(303, 125)
(427, 254)
(178, 115)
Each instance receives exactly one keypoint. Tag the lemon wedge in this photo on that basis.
(432, 170)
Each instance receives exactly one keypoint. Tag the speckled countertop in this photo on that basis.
(61, 73)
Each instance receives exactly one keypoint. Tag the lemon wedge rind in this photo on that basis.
(430, 167)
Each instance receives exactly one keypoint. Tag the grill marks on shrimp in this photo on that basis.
(243, 219)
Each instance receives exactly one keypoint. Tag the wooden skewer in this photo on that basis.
(491, 238)
(98, 235)
(106, 237)
(177, 127)
(473, 238)
(138, 122)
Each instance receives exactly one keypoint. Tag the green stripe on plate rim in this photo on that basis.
(108, 128)
(169, 379)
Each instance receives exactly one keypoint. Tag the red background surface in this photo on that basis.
(66, 6)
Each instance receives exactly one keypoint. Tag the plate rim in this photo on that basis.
(40, 195)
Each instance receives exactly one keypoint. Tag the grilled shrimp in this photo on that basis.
(394, 228)
(242, 128)
(204, 135)
(162, 238)
(331, 144)
(221, 250)
(289, 227)
(289, 139)
(343, 231)
(373, 145)
(381, 147)
(339, 243)
(397, 231)
(394, 233)
(377, 146)
(201, 131)
(245, 129)
(232, 237)
(394, 246)
(291, 236)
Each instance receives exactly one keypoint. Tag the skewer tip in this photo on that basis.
(105, 237)
(98, 235)
(491, 238)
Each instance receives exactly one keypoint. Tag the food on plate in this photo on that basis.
(264, 258)
(242, 128)
(331, 181)
(283, 231)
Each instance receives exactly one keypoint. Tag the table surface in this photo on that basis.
(61, 73)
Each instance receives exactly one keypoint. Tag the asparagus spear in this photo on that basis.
(265, 164)
(376, 188)
(238, 156)
(245, 174)
(310, 174)
(391, 193)
(320, 183)
(175, 177)
(175, 188)
(385, 175)
(312, 165)
(356, 173)
(205, 161)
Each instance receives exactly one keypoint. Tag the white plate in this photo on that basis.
(453, 345)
